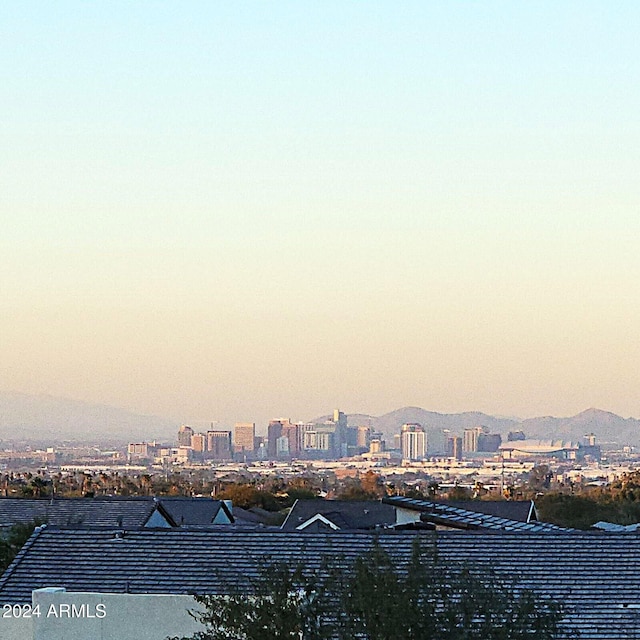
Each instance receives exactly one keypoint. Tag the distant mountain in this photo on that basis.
(434, 423)
(608, 427)
(48, 419)
(390, 423)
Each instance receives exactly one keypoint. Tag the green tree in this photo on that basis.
(247, 496)
(284, 602)
(377, 597)
(429, 600)
(459, 493)
(13, 540)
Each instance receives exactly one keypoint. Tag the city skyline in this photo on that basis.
(239, 213)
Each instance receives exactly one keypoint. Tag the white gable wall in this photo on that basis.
(109, 616)
(406, 516)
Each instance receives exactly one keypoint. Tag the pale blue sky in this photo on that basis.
(235, 211)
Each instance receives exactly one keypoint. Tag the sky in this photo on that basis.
(221, 212)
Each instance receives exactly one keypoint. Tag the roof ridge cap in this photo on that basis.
(20, 555)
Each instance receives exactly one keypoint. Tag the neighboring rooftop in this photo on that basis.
(196, 511)
(447, 515)
(520, 510)
(620, 528)
(323, 515)
(21, 510)
(596, 576)
(109, 511)
(103, 511)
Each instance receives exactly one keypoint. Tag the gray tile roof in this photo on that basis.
(447, 515)
(103, 511)
(343, 514)
(611, 526)
(193, 511)
(595, 575)
(21, 510)
(521, 510)
(111, 511)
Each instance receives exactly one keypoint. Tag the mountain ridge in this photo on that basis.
(608, 427)
(52, 419)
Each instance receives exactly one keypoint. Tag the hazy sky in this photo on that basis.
(235, 211)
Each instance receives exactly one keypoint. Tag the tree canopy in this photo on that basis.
(12, 540)
(377, 597)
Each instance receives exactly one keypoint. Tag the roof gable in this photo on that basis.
(317, 519)
(345, 514)
(185, 511)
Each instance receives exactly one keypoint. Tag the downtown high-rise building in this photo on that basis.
(363, 437)
(244, 437)
(292, 433)
(470, 439)
(184, 436)
(199, 442)
(413, 442)
(454, 447)
(219, 445)
(275, 431)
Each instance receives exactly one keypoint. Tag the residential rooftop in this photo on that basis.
(450, 516)
(115, 511)
(596, 576)
(318, 514)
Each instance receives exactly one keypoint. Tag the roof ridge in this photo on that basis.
(282, 526)
(23, 551)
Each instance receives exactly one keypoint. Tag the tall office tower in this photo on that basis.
(282, 447)
(489, 442)
(199, 442)
(244, 435)
(141, 450)
(291, 433)
(340, 440)
(275, 430)
(219, 445)
(470, 438)
(310, 440)
(319, 443)
(376, 445)
(303, 428)
(184, 436)
(454, 447)
(352, 441)
(414, 442)
(363, 437)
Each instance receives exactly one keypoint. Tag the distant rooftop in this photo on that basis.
(539, 446)
(448, 515)
(521, 510)
(338, 514)
(110, 511)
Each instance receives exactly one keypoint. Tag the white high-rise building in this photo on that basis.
(413, 442)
